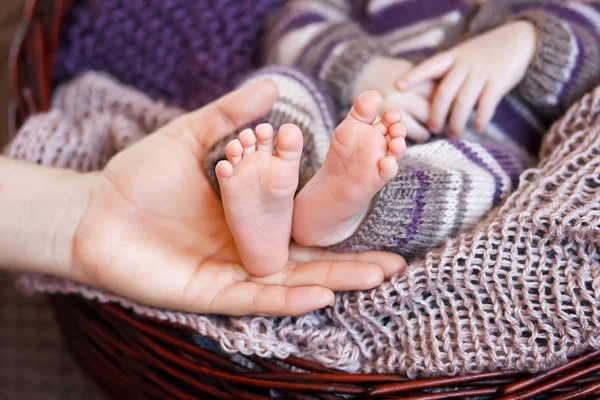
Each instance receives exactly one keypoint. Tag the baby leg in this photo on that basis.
(442, 188)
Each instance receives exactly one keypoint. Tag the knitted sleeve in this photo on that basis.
(325, 40)
(566, 64)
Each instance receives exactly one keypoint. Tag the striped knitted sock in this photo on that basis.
(442, 188)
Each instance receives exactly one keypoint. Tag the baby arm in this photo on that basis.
(548, 50)
(323, 40)
(476, 73)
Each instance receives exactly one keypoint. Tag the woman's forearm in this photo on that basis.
(40, 210)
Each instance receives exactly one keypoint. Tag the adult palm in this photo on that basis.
(154, 230)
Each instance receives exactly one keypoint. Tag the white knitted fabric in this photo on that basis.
(520, 291)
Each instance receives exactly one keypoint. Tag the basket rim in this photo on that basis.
(44, 36)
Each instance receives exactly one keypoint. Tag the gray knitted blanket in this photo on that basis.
(520, 291)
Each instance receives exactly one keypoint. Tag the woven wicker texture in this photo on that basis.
(34, 363)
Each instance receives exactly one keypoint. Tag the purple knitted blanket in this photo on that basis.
(186, 53)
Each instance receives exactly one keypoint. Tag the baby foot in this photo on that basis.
(362, 158)
(257, 189)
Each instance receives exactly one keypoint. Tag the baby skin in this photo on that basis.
(257, 186)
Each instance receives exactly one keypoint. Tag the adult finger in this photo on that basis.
(225, 115)
(251, 298)
(334, 275)
(444, 97)
(488, 102)
(390, 263)
(464, 104)
(430, 69)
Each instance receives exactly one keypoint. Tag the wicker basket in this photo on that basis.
(131, 357)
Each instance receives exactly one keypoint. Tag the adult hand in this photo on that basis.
(154, 231)
(478, 72)
(380, 75)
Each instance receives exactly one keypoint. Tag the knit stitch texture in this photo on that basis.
(444, 187)
(520, 291)
(334, 40)
(184, 52)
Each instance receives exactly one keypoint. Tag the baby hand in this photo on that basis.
(478, 72)
(415, 106)
(380, 75)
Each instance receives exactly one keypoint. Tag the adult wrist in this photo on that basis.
(41, 211)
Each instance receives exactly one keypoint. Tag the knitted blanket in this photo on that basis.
(185, 52)
(520, 291)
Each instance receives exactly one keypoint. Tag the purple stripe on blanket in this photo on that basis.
(324, 42)
(470, 154)
(515, 126)
(302, 20)
(417, 211)
(409, 12)
(356, 8)
(507, 162)
(186, 52)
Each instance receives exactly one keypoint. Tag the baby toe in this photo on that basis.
(264, 136)
(396, 148)
(397, 130)
(233, 151)
(388, 168)
(248, 141)
(392, 116)
(289, 142)
(223, 170)
(366, 107)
